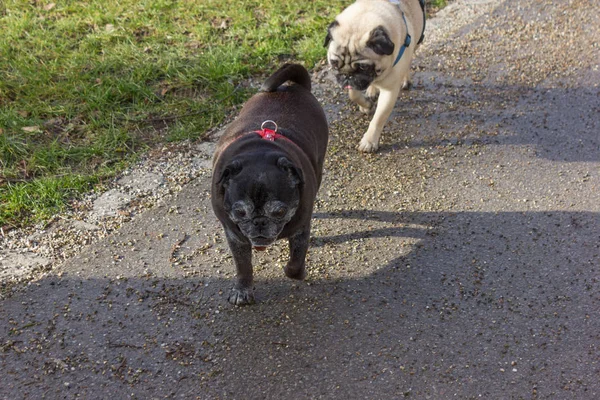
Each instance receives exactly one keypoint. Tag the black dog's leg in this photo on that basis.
(243, 292)
(295, 268)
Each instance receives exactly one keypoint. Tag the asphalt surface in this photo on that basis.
(460, 261)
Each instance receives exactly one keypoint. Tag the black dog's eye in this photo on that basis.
(240, 213)
(279, 212)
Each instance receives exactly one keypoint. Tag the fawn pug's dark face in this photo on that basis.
(261, 201)
(358, 58)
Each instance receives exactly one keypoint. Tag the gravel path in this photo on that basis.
(460, 261)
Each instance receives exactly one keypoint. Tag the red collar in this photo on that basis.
(265, 133)
(270, 134)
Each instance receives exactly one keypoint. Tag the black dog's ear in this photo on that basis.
(229, 172)
(380, 41)
(329, 28)
(293, 172)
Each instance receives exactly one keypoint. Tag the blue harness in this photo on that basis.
(408, 39)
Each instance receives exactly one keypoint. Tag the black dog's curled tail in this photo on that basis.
(288, 72)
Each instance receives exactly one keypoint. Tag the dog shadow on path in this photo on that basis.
(476, 303)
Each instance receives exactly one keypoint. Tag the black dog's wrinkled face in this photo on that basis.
(261, 199)
(261, 225)
(356, 61)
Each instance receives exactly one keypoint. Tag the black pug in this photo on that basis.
(267, 170)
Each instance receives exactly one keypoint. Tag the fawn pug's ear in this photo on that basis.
(328, 38)
(380, 41)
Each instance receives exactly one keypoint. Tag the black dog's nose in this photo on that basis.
(260, 222)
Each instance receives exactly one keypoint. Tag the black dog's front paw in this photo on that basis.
(295, 272)
(241, 297)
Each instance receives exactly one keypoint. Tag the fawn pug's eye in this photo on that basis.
(360, 67)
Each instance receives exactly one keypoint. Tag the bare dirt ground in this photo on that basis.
(460, 261)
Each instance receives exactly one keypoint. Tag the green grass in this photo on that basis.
(435, 5)
(85, 87)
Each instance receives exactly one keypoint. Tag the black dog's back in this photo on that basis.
(288, 72)
(297, 113)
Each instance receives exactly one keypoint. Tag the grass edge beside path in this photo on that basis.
(88, 87)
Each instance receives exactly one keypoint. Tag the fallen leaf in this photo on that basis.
(50, 6)
(52, 122)
(109, 27)
(221, 24)
(31, 128)
(194, 44)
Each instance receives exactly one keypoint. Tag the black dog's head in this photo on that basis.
(261, 195)
(357, 58)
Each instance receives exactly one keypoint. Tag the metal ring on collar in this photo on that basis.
(262, 126)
